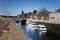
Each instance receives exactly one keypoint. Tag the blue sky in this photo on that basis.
(16, 6)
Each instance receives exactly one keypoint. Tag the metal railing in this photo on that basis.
(4, 26)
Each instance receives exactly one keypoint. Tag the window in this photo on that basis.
(52, 17)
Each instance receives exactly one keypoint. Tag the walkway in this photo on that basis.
(15, 33)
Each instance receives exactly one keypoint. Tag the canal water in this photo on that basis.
(35, 35)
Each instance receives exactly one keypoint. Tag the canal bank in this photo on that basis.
(14, 33)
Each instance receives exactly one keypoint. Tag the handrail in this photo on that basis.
(4, 26)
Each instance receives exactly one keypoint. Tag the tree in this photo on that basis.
(34, 11)
(44, 12)
(29, 13)
(22, 12)
(58, 10)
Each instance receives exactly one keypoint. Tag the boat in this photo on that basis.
(33, 24)
(42, 30)
(23, 21)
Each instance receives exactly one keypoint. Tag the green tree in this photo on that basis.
(34, 11)
(58, 10)
(22, 12)
(44, 12)
(29, 13)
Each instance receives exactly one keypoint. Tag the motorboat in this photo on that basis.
(42, 29)
(32, 25)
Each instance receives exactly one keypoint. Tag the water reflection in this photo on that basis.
(35, 35)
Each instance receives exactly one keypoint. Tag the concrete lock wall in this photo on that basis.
(54, 17)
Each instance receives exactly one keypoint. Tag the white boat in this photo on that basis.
(42, 29)
(31, 23)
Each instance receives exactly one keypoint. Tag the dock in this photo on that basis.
(14, 33)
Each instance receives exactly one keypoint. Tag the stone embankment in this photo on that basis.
(14, 32)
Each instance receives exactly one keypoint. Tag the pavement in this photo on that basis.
(14, 33)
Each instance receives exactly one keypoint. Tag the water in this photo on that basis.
(35, 35)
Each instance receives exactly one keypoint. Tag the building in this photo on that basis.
(33, 16)
(44, 17)
(54, 17)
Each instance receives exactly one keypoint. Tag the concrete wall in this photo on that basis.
(54, 17)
